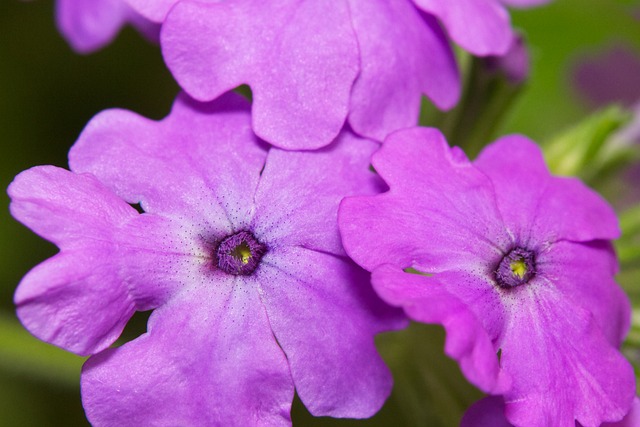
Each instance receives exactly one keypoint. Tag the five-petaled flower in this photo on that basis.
(515, 264)
(238, 253)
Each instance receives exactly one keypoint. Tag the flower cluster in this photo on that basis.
(274, 238)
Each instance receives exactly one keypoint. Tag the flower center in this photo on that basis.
(239, 254)
(516, 268)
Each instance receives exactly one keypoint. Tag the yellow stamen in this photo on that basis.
(518, 268)
(242, 253)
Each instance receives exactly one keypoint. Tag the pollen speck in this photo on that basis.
(519, 268)
(242, 253)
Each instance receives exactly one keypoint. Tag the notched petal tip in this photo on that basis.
(480, 27)
(71, 303)
(62, 207)
(301, 102)
(535, 203)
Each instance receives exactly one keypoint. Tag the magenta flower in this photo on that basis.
(514, 263)
(89, 25)
(238, 252)
(314, 65)
(489, 412)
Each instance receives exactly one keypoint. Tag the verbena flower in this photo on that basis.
(514, 263)
(237, 252)
(312, 65)
(489, 412)
(89, 25)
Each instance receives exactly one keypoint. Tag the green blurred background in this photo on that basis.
(48, 93)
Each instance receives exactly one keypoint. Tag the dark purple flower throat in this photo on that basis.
(516, 268)
(239, 254)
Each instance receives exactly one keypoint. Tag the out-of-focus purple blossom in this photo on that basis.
(314, 65)
(613, 76)
(516, 265)
(89, 25)
(238, 254)
(489, 412)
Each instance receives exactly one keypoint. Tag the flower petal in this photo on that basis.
(479, 26)
(75, 303)
(64, 208)
(88, 25)
(487, 412)
(403, 55)
(300, 73)
(154, 10)
(584, 273)
(536, 205)
(427, 300)
(423, 221)
(324, 315)
(298, 195)
(113, 260)
(632, 419)
(200, 165)
(563, 367)
(209, 358)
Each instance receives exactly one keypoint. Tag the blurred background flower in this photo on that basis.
(48, 93)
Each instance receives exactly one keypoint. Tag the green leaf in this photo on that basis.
(21, 353)
(589, 149)
(628, 245)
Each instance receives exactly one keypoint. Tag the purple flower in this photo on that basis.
(489, 412)
(611, 76)
(312, 65)
(89, 25)
(514, 263)
(237, 252)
